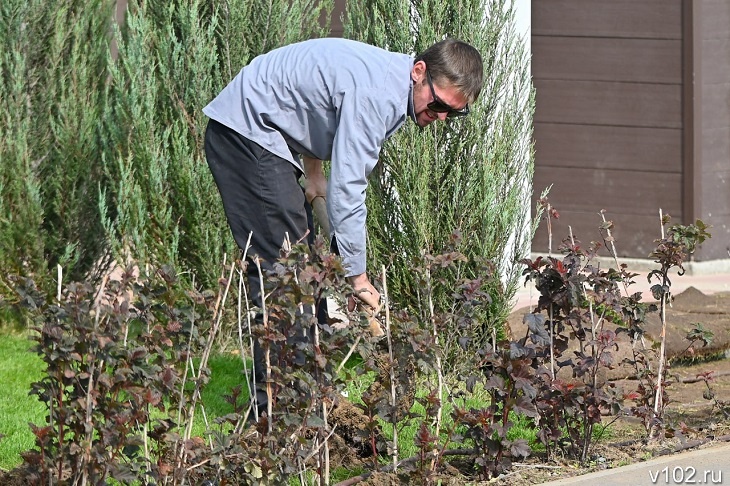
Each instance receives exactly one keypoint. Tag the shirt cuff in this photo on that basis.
(354, 265)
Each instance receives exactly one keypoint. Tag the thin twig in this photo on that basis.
(349, 353)
(551, 312)
(322, 459)
(250, 380)
(596, 328)
(439, 368)
(181, 453)
(536, 466)
(698, 379)
(550, 230)
(267, 351)
(89, 435)
(552, 350)
(319, 446)
(393, 398)
(219, 297)
(206, 354)
(86, 458)
(658, 401)
(614, 253)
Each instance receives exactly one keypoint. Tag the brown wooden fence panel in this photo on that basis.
(605, 103)
(607, 147)
(609, 123)
(608, 59)
(716, 71)
(716, 105)
(643, 193)
(715, 184)
(652, 19)
(634, 235)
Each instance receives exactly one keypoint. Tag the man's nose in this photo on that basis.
(442, 116)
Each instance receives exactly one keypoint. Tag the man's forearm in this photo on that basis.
(316, 184)
(312, 168)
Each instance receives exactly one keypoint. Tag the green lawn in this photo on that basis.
(19, 367)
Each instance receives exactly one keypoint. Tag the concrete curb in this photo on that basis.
(707, 277)
(710, 465)
(642, 265)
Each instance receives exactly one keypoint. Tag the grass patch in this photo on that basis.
(226, 373)
(522, 427)
(19, 367)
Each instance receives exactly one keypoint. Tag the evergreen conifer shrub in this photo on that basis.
(472, 175)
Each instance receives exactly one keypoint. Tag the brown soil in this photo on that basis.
(625, 442)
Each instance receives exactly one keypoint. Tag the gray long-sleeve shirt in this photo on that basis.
(331, 99)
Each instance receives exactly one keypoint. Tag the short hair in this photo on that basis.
(457, 62)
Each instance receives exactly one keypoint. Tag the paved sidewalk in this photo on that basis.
(710, 465)
(707, 277)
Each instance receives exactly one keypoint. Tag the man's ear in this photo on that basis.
(418, 72)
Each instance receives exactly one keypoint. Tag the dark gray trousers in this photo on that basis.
(260, 192)
(261, 196)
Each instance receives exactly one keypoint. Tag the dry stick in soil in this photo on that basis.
(217, 317)
(610, 241)
(393, 398)
(190, 367)
(662, 349)
(267, 351)
(594, 353)
(180, 454)
(51, 414)
(86, 458)
(439, 373)
(250, 383)
(321, 449)
(552, 323)
(250, 379)
(325, 440)
(549, 211)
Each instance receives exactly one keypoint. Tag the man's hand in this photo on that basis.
(368, 301)
(316, 184)
(364, 291)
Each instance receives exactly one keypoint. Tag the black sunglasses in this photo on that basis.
(440, 106)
